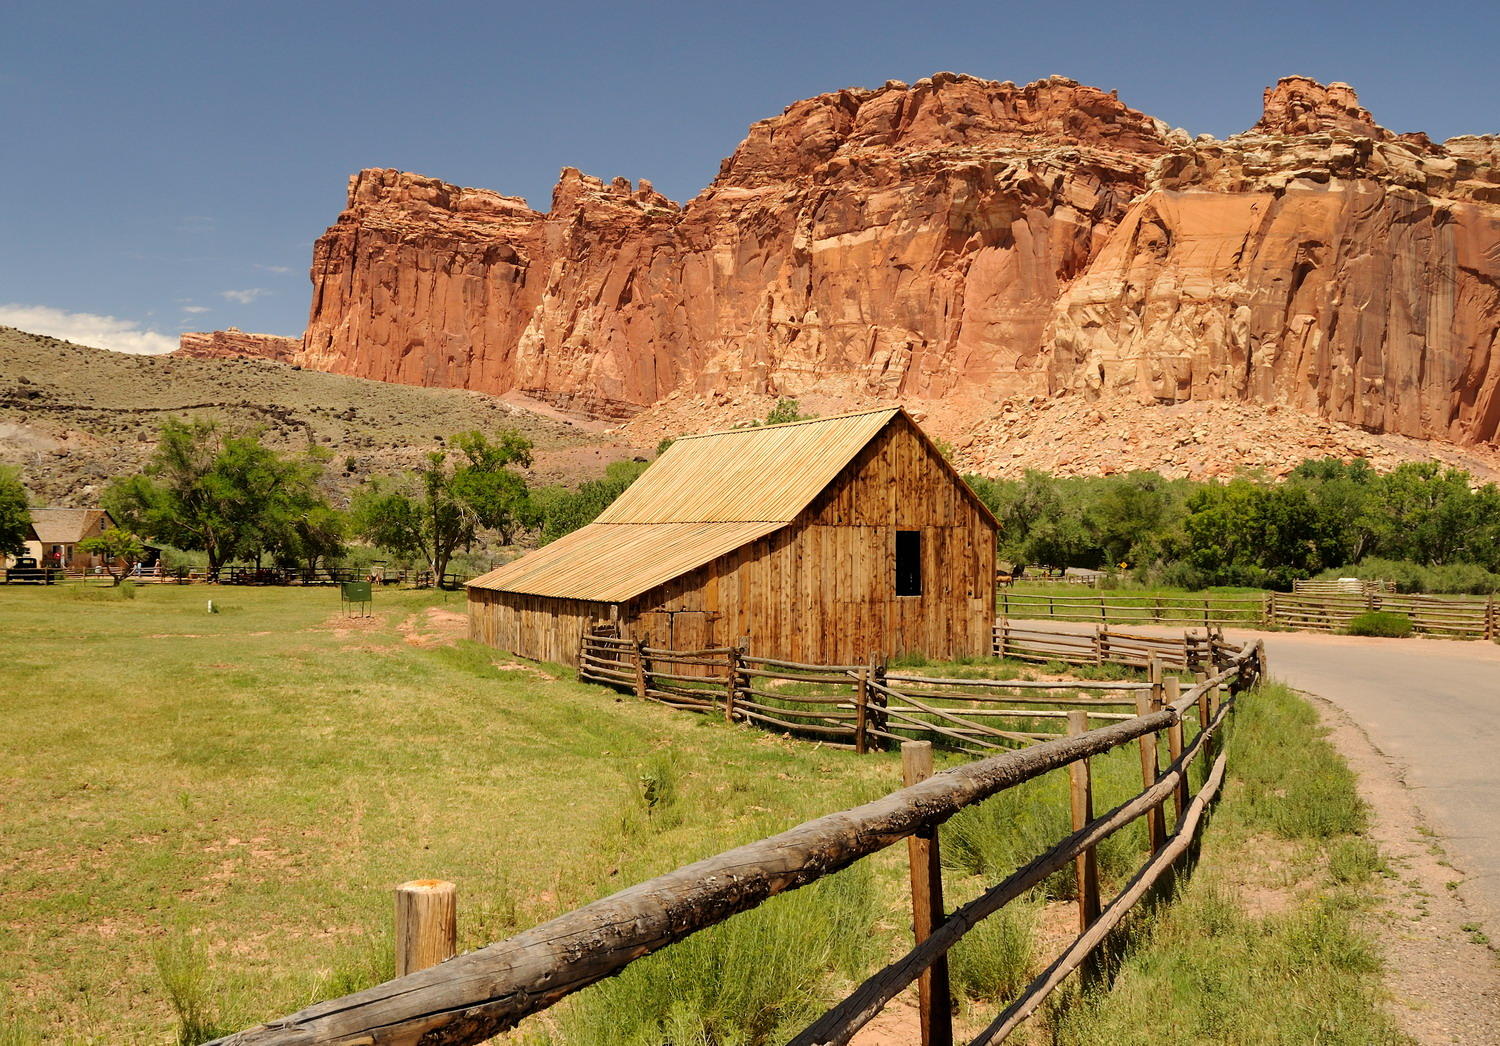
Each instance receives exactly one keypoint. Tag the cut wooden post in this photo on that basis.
(861, 708)
(1082, 792)
(426, 924)
(1099, 645)
(732, 681)
(1145, 703)
(1174, 750)
(878, 718)
(640, 669)
(934, 998)
(1002, 634)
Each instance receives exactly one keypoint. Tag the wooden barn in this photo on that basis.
(828, 541)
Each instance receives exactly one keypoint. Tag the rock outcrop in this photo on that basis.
(232, 343)
(958, 241)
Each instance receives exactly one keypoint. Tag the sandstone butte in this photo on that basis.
(958, 244)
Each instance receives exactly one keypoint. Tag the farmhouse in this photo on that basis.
(829, 541)
(58, 532)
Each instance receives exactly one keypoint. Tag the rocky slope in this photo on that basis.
(73, 417)
(234, 343)
(957, 244)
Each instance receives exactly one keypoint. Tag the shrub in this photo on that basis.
(1380, 623)
(993, 960)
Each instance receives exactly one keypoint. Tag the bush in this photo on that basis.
(1380, 623)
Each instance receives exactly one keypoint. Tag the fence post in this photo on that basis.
(1099, 645)
(1082, 793)
(731, 682)
(1002, 635)
(1174, 751)
(426, 924)
(1203, 714)
(934, 999)
(878, 718)
(640, 669)
(1145, 703)
(861, 709)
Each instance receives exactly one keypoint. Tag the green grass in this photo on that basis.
(205, 815)
(1263, 944)
(221, 804)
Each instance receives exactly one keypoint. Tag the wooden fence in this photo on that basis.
(1321, 611)
(472, 997)
(1124, 608)
(862, 707)
(1340, 587)
(1430, 615)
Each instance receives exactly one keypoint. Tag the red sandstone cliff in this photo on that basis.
(958, 241)
(231, 343)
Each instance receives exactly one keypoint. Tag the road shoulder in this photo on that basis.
(1443, 979)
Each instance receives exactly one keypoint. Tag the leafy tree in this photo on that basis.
(120, 550)
(15, 517)
(440, 508)
(220, 492)
(557, 510)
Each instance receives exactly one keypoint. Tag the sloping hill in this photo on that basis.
(73, 416)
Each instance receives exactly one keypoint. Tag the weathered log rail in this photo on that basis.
(478, 995)
(1323, 610)
(865, 707)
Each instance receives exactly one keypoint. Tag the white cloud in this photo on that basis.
(279, 270)
(85, 328)
(245, 297)
(196, 308)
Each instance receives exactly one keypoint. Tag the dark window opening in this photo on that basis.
(908, 562)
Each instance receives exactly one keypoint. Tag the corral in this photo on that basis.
(833, 540)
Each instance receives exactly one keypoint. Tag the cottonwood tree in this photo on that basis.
(432, 512)
(15, 517)
(217, 491)
(120, 550)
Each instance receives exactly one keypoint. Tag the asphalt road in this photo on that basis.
(1430, 706)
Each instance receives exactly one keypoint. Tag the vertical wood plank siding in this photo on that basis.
(821, 589)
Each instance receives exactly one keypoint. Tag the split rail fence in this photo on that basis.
(862, 707)
(472, 997)
(1318, 610)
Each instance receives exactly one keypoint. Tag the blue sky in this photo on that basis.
(167, 166)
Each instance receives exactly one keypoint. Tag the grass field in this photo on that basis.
(204, 815)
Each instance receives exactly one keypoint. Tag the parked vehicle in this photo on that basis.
(24, 570)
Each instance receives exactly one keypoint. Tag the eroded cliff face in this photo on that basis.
(957, 241)
(234, 343)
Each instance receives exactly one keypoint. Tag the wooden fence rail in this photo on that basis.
(1324, 610)
(865, 707)
(476, 996)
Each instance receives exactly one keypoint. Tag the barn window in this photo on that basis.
(908, 562)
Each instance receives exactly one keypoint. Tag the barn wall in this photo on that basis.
(823, 588)
(537, 627)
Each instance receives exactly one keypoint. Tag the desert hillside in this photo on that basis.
(73, 416)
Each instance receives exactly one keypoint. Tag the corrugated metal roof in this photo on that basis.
(613, 562)
(63, 526)
(766, 474)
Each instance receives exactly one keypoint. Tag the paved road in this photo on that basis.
(1432, 707)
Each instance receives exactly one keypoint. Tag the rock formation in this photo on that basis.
(228, 344)
(958, 242)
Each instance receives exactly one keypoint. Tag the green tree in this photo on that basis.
(786, 410)
(557, 510)
(217, 491)
(120, 550)
(440, 508)
(15, 516)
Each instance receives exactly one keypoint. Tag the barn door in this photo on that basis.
(655, 628)
(692, 630)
